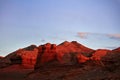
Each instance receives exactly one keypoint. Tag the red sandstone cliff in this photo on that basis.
(25, 57)
(66, 53)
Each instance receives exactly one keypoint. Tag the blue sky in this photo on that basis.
(93, 23)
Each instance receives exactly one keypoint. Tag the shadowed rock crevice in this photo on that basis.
(16, 59)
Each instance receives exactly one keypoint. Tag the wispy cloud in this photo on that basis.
(42, 40)
(114, 36)
(83, 35)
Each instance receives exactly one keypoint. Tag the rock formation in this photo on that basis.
(66, 61)
(99, 54)
(101, 65)
(67, 53)
(46, 53)
(25, 57)
(1, 57)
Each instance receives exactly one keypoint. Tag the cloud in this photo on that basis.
(114, 36)
(83, 35)
(42, 40)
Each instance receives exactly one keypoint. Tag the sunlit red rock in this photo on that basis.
(49, 53)
(74, 47)
(82, 59)
(67, 53)
(99, 54)
(81, 52)
(46, 54)
(29, 57)
(26, 57)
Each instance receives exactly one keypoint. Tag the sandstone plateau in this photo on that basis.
(66, 61)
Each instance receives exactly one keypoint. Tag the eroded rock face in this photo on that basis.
(49, 53)
(67, 53)
(99, 54)
(69, 59)
(82, 59)
(74, 47)
(46, 54)
(16, 59)
(88, 70)
(26, 57)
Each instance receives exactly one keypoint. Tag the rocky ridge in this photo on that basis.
(64, 60)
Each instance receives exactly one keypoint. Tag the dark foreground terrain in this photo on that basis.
(14, 72)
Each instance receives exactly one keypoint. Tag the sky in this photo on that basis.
(93, 23)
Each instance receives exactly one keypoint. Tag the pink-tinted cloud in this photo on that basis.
(83, 35)
(114, 36)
